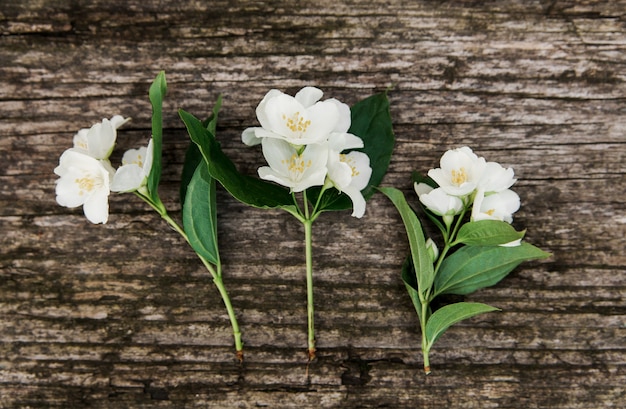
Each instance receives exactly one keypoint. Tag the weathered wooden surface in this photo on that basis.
(124, 316)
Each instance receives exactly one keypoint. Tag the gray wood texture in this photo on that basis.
(124, 316)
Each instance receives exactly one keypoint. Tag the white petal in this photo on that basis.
(513, 243)
(248, 136)
(496, 178)
(101, 139)
(324, 117)
(343, 141)
(339, 172)
(358, 201)
(96, 208)
(308, 96)
(128, 178)
(276, 152)
(345, 116)
(117, 121)
(286, 117)
(261, 108)
(147, 165)
(422, 188)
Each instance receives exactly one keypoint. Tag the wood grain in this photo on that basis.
(124, 316)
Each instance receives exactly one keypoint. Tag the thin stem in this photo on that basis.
(216, 273)
(425, 348)
(309, 286)
(308, 239)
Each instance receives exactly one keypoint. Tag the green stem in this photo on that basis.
(425, 347)
(216, 274)
(308, 239)
(309, 286)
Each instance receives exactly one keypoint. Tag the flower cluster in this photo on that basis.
(465, 180)
(303, 140)
(86, 176)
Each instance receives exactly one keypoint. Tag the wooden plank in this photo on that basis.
(124, 316)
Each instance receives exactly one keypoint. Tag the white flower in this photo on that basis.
(299, 120)
(350, 173)
(441, 203)
(460, 172)
(496, 206)
(84, 181)
(98, 141)
(291, 168)
(133, 174)
(496, 178)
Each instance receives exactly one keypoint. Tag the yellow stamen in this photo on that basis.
(296, 164)
(296, 123)
(459, 176)
(350, 162)
(85, 184)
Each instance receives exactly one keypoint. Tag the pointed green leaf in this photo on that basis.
(419, 254)
(156, 94)
(449, 315)
(487, 233)
(247, 189)
(473, 267)
(193, 156)
(200, 214)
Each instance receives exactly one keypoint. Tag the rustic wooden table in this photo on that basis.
(123, 315)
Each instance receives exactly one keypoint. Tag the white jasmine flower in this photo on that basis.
(350, 173)
(297, 170)
(460, 172)
(133, 174)
(98, 141)
(496, 206)
(299, 120)
(84, 181)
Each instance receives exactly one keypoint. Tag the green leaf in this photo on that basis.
(200, 214)
(156, 94)
(249, 190)
(449, 315)
(371, 121)
(193, 156)
(410, 282)
(424, 271)
(474, 267)
(487, 233)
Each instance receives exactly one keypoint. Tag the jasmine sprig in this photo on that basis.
(315, 158)
(87, 178)
(476, 253)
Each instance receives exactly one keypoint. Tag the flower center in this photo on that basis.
(459, 176)
(490, 212)
(85, 184)
(296, 123)
(350, 162)
(296, 164)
